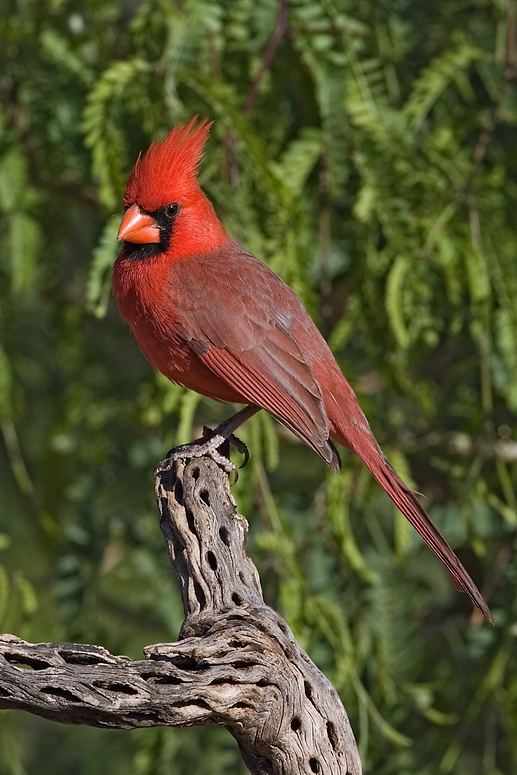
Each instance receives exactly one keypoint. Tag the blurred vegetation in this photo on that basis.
(376, 171)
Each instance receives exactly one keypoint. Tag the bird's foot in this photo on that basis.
(207, 446)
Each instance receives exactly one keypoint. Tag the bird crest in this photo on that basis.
(167, 172)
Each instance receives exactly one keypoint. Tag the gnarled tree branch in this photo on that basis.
(236, 664)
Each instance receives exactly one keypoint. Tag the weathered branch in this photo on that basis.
(236, 664)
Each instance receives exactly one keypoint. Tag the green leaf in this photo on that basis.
(395, 300)
(25, 239)
(338, 514)
(298, 160)
(102, 132)
(99, 281)
(440, 73)
(6, 386)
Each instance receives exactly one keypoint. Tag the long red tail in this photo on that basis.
(405, 499)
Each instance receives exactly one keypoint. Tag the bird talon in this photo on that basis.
(208, 445)
(222, 461)
(208, 433)
(242, 448)
(163, 466)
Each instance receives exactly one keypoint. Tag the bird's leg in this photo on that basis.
(210, 443)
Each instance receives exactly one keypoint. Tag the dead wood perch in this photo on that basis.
(237, 663)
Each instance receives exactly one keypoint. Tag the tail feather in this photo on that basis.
(405, 500)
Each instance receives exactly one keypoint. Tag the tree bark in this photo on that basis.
(236, 664)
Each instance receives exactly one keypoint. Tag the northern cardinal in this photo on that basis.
(212, 317)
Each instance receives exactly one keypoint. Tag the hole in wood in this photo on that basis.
(77, 658)
(205, 497)
(178, 491)
(331, 732)
(314, 765)
(178, 544)
(211, 559)
(237, 644)
(200, 594)
(19, 665)
(295, 724)
(282, 627)
(190, 521)
(26, 663)
(56, 691)
(184, 662)
(237, 618)
(198, 703)
(241, 577)
(195, 474)
(308, 690)
(157, 678)
(145, 716)
(224, 535)
(115, 687)
(237, 599)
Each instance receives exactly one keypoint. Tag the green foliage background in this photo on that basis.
(377, 173)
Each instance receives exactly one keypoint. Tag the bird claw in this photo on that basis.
(207, 446)
(241, 447)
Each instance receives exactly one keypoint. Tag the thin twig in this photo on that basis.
(325, 239)
(503, 558)
(511, 40)
(215, 62)
(278, 33)
(510, 74)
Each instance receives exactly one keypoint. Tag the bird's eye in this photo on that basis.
(171, 211)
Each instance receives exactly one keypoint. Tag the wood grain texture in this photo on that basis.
(236, 664)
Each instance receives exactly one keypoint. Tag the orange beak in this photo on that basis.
(138, 227)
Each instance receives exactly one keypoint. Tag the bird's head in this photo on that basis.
(166, 211)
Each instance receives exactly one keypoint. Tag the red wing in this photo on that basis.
(271, 390)
(242, 328)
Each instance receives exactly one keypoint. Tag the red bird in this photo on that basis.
(212, 317)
